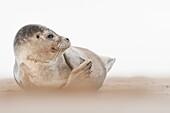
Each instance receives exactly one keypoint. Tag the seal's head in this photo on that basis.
(37, 42)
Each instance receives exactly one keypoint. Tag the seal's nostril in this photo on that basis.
(67, 39)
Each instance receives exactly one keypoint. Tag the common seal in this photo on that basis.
(46, 59)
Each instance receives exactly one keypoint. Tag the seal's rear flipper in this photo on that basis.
(108, 62)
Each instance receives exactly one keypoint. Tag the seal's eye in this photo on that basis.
(50, 36)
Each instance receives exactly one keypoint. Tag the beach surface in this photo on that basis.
(117, 95)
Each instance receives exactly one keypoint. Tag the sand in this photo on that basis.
(119, 95)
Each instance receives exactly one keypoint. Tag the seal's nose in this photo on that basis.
(67, 39)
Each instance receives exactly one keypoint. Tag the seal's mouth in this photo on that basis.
(59, 48)
(54, 50)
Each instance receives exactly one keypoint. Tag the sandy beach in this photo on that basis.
(114, 86)
(119, 95)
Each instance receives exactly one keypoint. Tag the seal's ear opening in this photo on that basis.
(37, 36)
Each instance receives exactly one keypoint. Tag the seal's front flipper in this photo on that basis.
(83, 71)
(79, 77)
(108, 62)
(73, 58)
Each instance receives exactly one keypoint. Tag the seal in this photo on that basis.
(46, 59)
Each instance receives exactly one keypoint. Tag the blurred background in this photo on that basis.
(135, 32)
